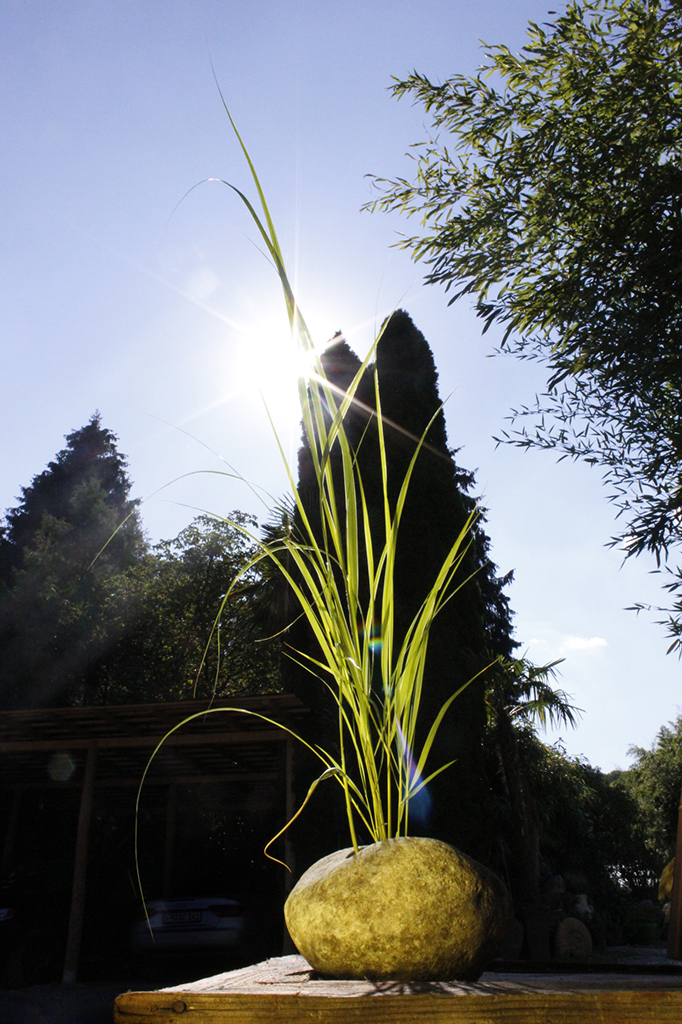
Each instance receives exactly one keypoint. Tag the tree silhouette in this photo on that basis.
(73, 530)
(474, 626)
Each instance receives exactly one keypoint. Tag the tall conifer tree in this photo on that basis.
(51, 627)
(474, 627)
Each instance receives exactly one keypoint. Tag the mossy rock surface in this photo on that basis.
(409, 909)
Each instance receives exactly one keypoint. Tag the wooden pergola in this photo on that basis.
(89, 747)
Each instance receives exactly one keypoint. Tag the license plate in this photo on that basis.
(182, 917)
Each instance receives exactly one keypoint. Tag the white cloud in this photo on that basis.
(582, 643)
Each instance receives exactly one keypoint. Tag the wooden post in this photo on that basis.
(75, 932)
(10, 834)
(675, 924)
(171, 809)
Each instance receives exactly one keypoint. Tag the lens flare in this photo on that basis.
(61, 767)
(374, 634)
(419, 804)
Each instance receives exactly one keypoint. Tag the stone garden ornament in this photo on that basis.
(401, 908)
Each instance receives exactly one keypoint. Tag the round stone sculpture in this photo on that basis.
(572, 940)
(408, 909)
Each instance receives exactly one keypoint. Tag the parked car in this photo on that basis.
(191, 924)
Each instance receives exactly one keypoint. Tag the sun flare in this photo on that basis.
(267, 364)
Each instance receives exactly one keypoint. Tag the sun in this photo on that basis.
(267, 364)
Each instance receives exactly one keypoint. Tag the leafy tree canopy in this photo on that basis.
(654, 782)
(171, 634)
(551, 189)
(588, 824)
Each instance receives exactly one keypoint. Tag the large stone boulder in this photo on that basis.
(665, 885)
(408, 909)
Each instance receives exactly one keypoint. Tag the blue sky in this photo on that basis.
(172, 327)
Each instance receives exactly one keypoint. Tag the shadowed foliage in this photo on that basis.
(59, 550)
(89, 613)
(474, 626)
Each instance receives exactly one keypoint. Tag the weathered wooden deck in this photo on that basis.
(285, 991)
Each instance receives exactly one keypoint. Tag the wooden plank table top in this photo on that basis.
(285, 990)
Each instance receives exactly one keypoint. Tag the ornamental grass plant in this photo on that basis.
(342, 579)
